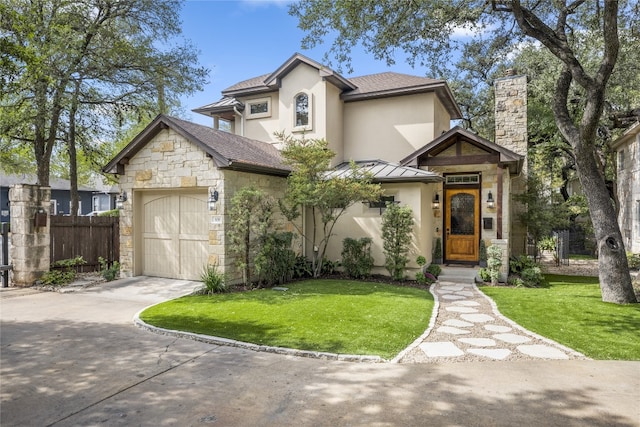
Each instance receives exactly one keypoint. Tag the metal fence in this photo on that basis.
(562, 247)
(88, 236)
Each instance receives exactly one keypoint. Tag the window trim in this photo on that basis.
(257, 101)
(309, 125)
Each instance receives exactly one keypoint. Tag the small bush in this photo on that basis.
(213, 282)
(275, 260)
(494, 262)
(112, 212)
(356, 257)
(527, 270)
(425, 278)
(302, 267)
(515, 281)
(484, 274)
(434, 269)
(633, 260)
(329, 267)
(109, 273)
(62, 272)
(547, 244)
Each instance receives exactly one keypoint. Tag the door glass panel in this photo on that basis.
(462, 214)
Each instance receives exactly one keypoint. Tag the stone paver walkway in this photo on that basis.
(467, 326)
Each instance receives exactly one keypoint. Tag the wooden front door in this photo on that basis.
(462, 224)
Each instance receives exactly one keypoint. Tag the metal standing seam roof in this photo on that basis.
(383, 171)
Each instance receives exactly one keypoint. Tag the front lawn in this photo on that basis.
(571, 312)
(338, 316)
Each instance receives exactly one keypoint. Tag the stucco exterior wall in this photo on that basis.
(629, 189)
(305, 79)
(388, 128)
(362, 221)
(335, 124)
(263, 128)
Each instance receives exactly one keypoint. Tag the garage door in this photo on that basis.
(175, 235)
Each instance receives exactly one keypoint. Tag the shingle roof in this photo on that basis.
(353, 89)
(389, 81)
(227, 150)
(387, 172)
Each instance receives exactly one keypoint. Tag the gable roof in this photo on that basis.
(227, 150)
(505, 156)
(387, 172)
(372, 86)
(627, 136)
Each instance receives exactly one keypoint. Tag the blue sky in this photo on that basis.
(243, 39)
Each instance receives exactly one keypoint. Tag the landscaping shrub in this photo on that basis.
(397, 227)
(484, 274)
(633, 260)
(494, 262)
(213, 281)
(329, 267)
(356, 257)
(109, 273)
(434, 269)
(62, 272)
(302, 267)
(276, 259)
(526, 269)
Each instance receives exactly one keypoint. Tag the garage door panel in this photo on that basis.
(175, 234)
(192, 221)
(161, 215)
(158, 259)
(193, 258)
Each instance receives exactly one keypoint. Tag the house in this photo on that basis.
(627, 148)
(91, 198)
(397, 126)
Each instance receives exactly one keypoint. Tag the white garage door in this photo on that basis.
(175, 235)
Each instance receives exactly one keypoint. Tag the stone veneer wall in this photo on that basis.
(169, 161)
(511, 133)
(30, 245)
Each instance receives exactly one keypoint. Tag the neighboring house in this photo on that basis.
(627, 149)
(458, 184)
(91, 199)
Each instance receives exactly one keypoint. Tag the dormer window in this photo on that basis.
(302, 119)
(258, 108)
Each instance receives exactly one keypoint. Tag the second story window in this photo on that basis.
(302, 118)
(621, 160)
(258, 108)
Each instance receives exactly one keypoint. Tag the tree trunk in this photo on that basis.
(73, 156)
(613, 268)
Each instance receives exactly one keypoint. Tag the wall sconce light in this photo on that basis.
(213, 199)
(490, 202)
(436, 201)
(122, 197)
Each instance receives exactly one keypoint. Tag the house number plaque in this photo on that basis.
(216, 219)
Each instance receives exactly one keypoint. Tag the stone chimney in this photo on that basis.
(511, 133)
(511, 112)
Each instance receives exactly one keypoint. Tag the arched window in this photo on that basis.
(302, 110)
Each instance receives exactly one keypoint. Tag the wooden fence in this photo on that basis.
(88, 236)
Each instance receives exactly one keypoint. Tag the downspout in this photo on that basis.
(235, 110)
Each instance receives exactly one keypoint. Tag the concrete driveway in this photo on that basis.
(77, 359)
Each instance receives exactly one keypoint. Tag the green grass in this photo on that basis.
(579, 257)
(571, 312)
(338, 316)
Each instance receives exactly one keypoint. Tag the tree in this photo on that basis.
(397, 235)
(251, 220)
(426, 32)
(103, 55)
(326, 198)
